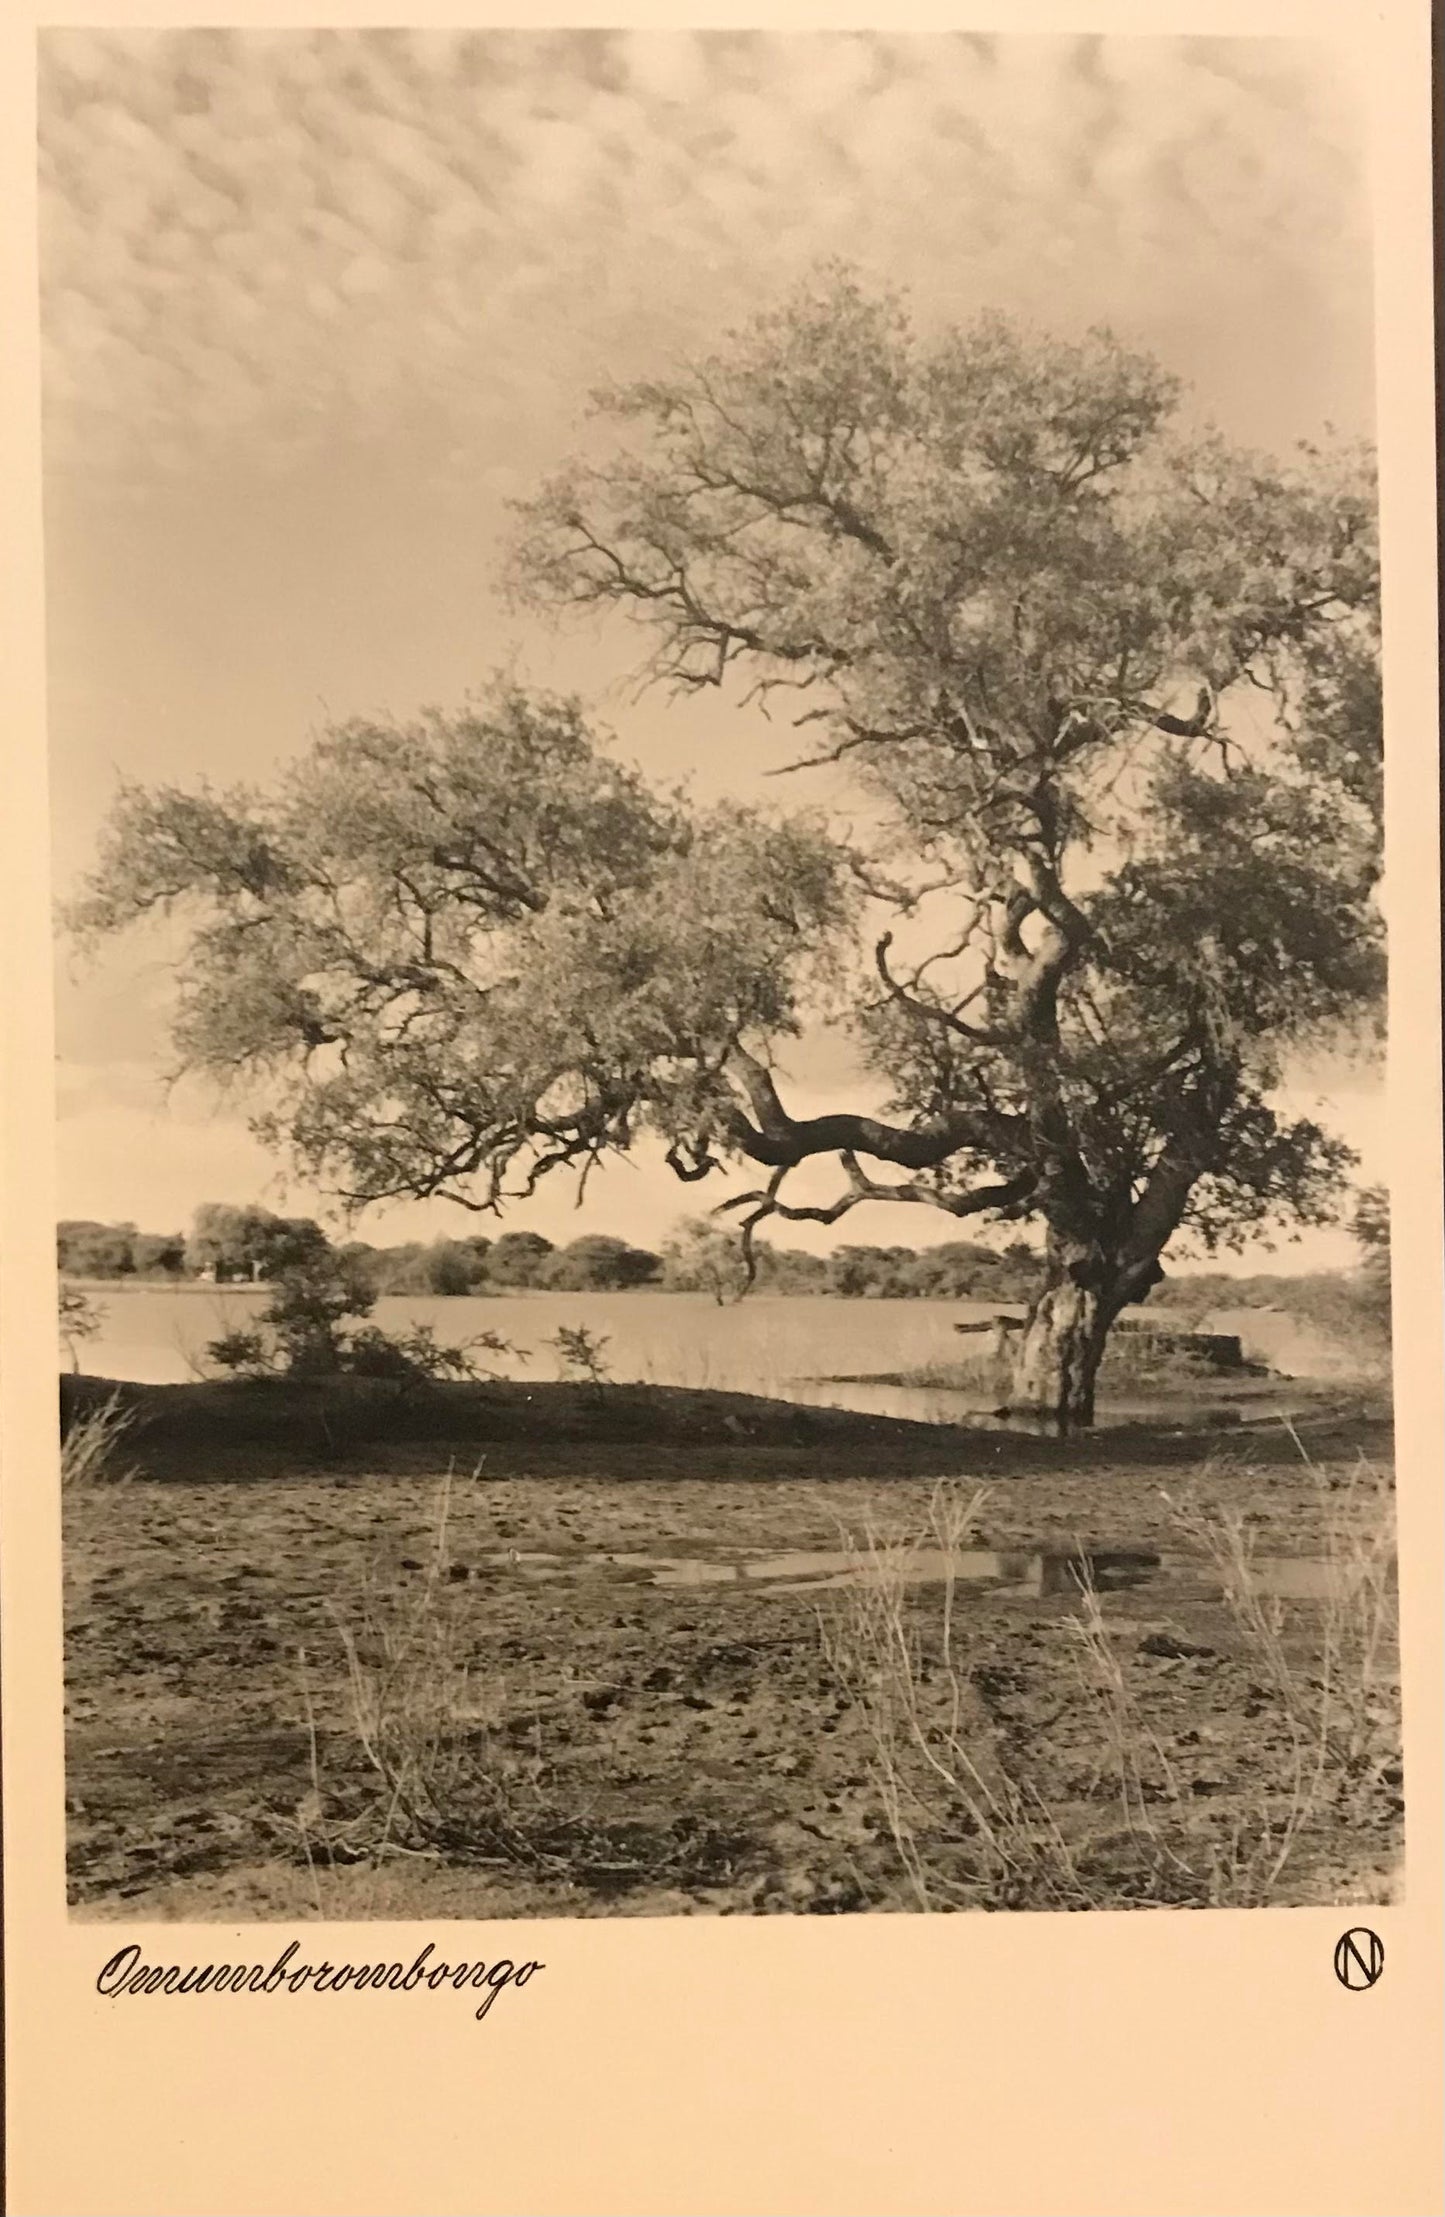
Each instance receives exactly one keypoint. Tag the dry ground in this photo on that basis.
(282, 1700)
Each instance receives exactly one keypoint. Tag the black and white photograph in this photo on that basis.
(716, 775)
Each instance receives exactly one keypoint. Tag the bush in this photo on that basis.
(419, 1357)
(580, 1354)
(80, 1319)
(245, 1354)
(314, 1327)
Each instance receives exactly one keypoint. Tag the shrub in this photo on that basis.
(580, 1354)
(80, 1320)
(246, 1354)
(418, 1356)
(314, 1327)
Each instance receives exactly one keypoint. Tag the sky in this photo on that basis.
(317, 305)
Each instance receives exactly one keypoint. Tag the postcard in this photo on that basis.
(723, 1229)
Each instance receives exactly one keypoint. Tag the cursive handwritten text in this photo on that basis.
(126, 1974)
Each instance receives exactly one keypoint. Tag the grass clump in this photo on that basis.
(90, 1448)
(988, 1809)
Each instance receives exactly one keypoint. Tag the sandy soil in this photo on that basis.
(615, 1745)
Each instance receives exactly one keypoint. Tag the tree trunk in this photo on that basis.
(1056, 1356)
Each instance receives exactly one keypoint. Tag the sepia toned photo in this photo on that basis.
(717, 786)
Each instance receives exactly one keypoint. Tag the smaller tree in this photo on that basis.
(599, 1263)
(81, 1319)
(789, 1269)
(249, 1243)
(88, 1250)
(314, 1326)
(860, 1272)
(159, 1254)
(518, 1259)
(951, 1270)
(1371, 1226)
(700, 1258)
(453, 1266)
(313, 1304)
(582, 1354)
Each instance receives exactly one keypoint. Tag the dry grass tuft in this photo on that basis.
(424, 1731)
(461, 1774)
(936, 1764)
(89, 1450)
(959, 1791)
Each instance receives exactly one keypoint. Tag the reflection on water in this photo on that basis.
(806, 1349)
(957, 1405)
(158, 1334)
(679, 1570)
(872, 1397)
(1036, 1571)
(1027, 1572)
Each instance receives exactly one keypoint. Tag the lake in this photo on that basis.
(788, 1346)
(806, 1348)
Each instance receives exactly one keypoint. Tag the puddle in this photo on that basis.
(1036, 1572)
(678, 1570)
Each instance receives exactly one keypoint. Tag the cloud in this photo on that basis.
(253, 241)
(320, 300)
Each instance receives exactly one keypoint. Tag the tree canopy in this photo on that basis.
(229, 1242)
(474, 948)
(1108, 691)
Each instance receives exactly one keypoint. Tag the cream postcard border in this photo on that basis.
(1176, 2061)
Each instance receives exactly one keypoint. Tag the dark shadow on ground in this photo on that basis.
(232, 1430)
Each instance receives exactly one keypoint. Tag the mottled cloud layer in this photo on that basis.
(315, 302)
(258, 241)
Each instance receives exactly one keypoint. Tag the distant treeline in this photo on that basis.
(231, 1246)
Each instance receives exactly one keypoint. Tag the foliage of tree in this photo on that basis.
(519, 1259)
(250, 1243)
(315, 1326)
(599, 1263)
(81, 1319)
(1107, 693)
(702, 1257)
(964, 1269)
(1112, 691)
(88, 1250)
(1343, 1305)
(159, 1254)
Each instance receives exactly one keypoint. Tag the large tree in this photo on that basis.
(1113, 692)
(1107, 694)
